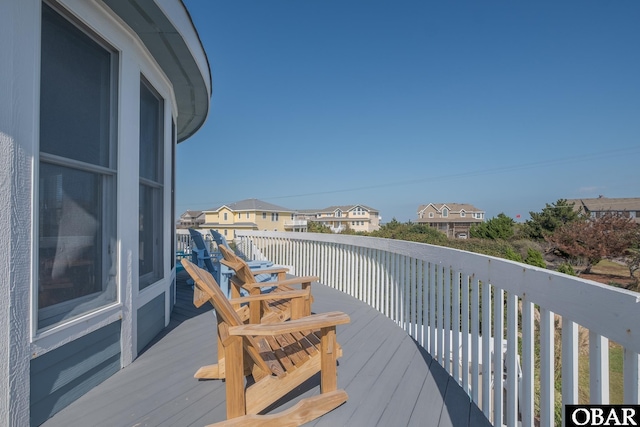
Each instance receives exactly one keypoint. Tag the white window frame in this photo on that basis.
(109, 174)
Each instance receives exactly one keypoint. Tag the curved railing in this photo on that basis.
(455, 304)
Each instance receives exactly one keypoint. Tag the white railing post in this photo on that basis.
(513, 374)
(598, 368)
(547, 389)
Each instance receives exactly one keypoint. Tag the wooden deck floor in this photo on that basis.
(390, 380)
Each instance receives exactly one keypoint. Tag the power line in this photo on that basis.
(481, 172)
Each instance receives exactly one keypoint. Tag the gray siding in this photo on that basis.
(150, 321)
(61, 376)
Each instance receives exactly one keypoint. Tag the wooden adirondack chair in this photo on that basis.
(271, 310)
(279, 356)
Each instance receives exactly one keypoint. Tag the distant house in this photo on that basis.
(191, 219)
(339, 218)
(251, 214)
(453, 219)
(595, 208)
(95, 97)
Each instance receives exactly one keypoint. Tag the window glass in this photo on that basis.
(150, 251)
(75, 93)
(77, 176)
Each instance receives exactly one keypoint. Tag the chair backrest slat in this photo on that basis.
(240, 266)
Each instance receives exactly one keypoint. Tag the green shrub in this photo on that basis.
(512, 255)
(566, 268)
(535, 258)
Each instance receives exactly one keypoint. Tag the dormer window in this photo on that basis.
(445, 212)
(462, 214)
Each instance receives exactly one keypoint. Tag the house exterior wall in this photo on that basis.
(30, 349)
(245, 220)
(453, 219)
(339, 218)
(19, 43)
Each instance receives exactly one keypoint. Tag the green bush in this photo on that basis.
(535, 258)
(566, 268)
(513, 255)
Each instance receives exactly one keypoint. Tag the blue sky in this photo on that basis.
(394, 104)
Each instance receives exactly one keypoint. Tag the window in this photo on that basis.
(430, 214)
(445, 212)
(264, 215)
(77, 172)
(151, 253)
(463, 214)
(274, 216)
(225, 216)
(247, 215)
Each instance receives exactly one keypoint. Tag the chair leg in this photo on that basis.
(328, 360)
(235, 378)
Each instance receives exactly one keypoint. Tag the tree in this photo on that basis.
(317, 227)
(594, 239)
(632, 257)
(500, 227)
(551, 218)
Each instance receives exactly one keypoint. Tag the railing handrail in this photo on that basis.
(578, 300)
(417, 284)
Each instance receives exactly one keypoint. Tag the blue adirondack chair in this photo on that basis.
(210, 260)
(222, 241)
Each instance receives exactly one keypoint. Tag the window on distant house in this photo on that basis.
(247, 215)
(225, 216)
(445, 212)
(264, 215)
(463, 214)
(151, 185)
(430, 214)
(76, 231)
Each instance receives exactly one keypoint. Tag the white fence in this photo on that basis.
(431, 291)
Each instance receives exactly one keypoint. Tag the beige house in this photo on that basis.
(339, 218)
(190, 219)
(251, 214)
(453, 219)
(626, 207)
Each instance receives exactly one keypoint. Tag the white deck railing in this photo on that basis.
(430, 291)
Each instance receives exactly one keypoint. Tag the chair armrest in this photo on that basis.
(270, 270)
(315, 321)
(286, 282)
(278, 295)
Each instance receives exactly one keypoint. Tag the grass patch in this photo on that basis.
(616, 382)
(610, 268)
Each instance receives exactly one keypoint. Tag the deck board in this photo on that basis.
(389, 378)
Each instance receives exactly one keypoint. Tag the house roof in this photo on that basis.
(251, 205)
(603, 204)
(453, 207)
(191, 214)
(167, 31)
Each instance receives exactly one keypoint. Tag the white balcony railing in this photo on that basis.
(295, 223)
(431, 291)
